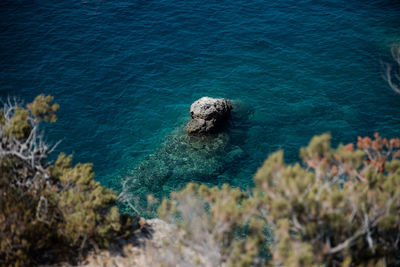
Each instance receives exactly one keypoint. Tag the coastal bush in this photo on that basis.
(217, 224)
(338, 207)
(48, 211)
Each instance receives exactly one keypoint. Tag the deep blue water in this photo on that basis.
(126, 72)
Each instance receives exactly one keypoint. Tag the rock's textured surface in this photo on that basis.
(196, 126)
(208, 115)
(208, 108)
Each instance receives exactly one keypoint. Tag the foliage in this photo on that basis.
(43, 109)
(48, 211)
(217, 223)
(339, 207)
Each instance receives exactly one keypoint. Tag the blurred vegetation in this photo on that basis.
(338, 207)
(48, 212)
(218, 224)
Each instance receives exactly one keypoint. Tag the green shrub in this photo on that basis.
(48, 211)
(339, 207)
(217, 224)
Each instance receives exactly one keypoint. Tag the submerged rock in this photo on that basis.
(208, 115)
(179, 159)
(235, 154)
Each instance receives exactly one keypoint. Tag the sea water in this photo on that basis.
(126, 72)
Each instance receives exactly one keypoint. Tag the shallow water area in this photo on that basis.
(182, 158)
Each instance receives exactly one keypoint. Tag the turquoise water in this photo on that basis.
(126, 72)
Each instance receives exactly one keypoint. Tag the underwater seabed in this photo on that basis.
(181, 159)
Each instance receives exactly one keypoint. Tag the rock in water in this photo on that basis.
(208, 108)
(198, 126)
(208, 115)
